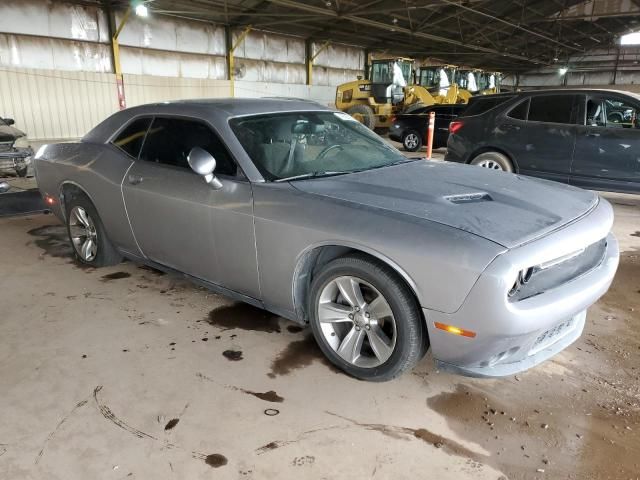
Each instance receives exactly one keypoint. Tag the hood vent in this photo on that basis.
(470, 198)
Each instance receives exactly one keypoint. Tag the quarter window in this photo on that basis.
(131, 138)
(170, 140)
(520, 111)
(551, 109)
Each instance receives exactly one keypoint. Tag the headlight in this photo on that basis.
(347, 95)
(21, 142)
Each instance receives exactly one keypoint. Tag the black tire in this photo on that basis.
(22, 172)
(364, 114)
(105, 254)
(493, 160)
(412, 141)
(411, 338)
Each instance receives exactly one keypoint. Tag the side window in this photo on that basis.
(551, 108)
(170, 140)
(520, 111)
(618, 114)
(130, 139)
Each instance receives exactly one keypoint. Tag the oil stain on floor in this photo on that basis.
(53, 240)
(232, 355)
(297, 355)
(215, 460)
(244, 317)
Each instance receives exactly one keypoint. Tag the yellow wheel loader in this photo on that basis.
(375, 100)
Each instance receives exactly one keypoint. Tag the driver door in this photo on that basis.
(180, 221)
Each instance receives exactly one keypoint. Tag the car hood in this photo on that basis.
(505, 208)
(8, 133)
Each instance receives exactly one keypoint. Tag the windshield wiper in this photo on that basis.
(310, 175)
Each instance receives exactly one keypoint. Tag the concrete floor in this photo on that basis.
(127, 373)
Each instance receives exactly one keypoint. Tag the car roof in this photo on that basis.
(244, 106)
(219, 108)
(561, 90)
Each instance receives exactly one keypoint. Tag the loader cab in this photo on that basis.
(388, 78)
(468, 79)
(436, 78)
(489, 82)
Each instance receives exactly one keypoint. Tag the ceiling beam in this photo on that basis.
(393, 28)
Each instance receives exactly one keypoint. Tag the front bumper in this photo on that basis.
(512, 336)
(16, 158)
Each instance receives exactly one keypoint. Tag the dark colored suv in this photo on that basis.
(588, 138)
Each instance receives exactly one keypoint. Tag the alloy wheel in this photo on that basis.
(411, 141)
(356, 321)
(83, 233)
(492, 164)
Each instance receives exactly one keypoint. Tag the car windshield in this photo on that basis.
(311, 144)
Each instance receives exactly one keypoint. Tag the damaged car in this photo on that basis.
(15, 151)
(301, 210)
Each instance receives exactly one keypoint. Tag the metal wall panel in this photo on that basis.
(268, 46)
(139, 61)
(339, 56)
(321, 94)
(54, 19)
(268, 71)
(56, 105)
(172, 34)
(141, 89)
(54, 54)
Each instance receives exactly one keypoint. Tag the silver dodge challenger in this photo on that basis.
(301, 210)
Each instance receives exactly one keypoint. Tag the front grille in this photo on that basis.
(545, 278)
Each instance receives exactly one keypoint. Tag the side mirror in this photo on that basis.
(203, 163)
(8, 121)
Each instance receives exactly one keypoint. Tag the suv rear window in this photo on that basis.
(479, 105)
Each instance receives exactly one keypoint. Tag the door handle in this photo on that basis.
(135, 179)
(593, 134)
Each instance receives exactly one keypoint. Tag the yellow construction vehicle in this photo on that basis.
(439, 81)
(373, 101)
(489, 83)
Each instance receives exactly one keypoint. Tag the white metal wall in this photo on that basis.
(56, 72)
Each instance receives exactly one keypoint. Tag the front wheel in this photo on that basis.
(88, 236)
(365, 319)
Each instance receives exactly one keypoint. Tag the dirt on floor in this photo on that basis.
(126, 372)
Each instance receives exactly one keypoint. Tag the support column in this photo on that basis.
(367, 54)
(115, 54)
(308, 52)
(231, 47)
(310, 59)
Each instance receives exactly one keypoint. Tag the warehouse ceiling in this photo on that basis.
(510, 36)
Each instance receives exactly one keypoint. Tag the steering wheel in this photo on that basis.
(324, 152)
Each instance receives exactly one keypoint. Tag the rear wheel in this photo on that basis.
(493, 161)
(412, 141)
(365, 319)
(88, 236)
(364, 114)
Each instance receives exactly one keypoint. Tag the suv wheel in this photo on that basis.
(493, 161)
